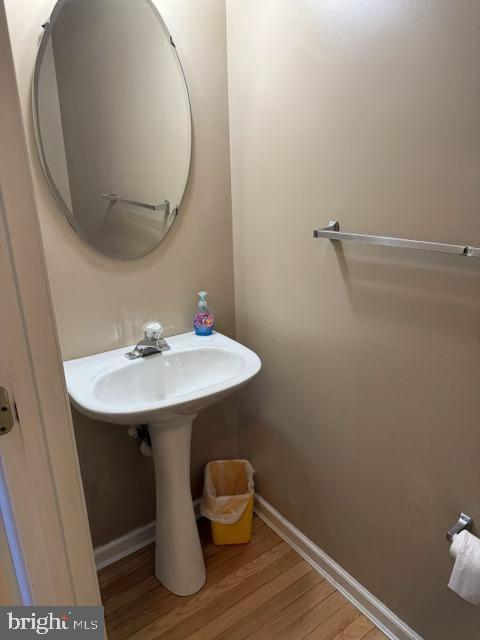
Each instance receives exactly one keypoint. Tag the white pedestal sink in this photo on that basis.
(165, 391)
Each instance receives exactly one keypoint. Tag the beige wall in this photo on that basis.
(364, 423)
(102, 303)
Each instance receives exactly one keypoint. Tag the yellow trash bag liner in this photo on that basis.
(227, 491)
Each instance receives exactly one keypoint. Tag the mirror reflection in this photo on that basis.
(113, 123)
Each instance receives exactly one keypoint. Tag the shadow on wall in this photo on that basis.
(119, 481)
(407, 278)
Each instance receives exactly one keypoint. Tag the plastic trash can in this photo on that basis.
(227, 500)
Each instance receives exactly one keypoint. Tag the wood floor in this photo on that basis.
(259, 591)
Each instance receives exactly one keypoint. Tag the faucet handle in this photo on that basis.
(153, 330)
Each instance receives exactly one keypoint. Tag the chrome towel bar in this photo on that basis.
(113, 197)
(332, 231)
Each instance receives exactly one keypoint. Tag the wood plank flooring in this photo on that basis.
(261, 591)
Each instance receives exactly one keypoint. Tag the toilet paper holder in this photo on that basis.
(463, 522)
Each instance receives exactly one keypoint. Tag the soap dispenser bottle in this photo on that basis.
(203, 320)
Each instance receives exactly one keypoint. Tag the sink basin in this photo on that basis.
(195, 373)
(165, 391)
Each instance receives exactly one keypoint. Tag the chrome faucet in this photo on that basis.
(152, 342)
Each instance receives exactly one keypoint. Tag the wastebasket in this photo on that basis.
(227, 500)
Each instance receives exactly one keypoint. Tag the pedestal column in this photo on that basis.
(179, 563)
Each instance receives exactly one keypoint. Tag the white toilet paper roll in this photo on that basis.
(465, 578)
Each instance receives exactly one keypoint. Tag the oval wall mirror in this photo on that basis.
(112, 120)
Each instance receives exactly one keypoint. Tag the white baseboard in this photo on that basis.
(130, 542)
(378, 613)
(124, 546)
